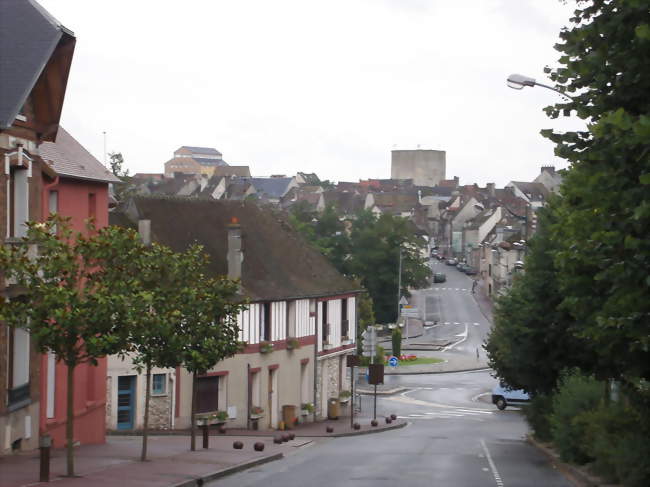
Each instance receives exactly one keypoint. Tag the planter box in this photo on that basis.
(328, 346)
(346, 342)
(256, 417)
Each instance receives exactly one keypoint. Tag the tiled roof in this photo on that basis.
(278, 263)
(537, 191)
(28, 37)
(241, 171)
(70, 159)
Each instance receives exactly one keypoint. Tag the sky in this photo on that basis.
(329, 87)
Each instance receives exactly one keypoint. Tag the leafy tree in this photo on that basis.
(116, 161)
(206, 320)
(375, 246)
(366, 318)
(603, 253)
(76, 303)
(533, 339)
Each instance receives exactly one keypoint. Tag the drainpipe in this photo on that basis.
(250, 393)
(315, 359)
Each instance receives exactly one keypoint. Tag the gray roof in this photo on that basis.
(202, 150)
(70, 159)
(28, 37)
(210, 162)
(271, 187)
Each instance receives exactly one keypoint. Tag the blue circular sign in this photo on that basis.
(393, 361)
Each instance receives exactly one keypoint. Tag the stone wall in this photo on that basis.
(160, 412)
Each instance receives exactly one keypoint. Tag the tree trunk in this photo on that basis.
(69, 426)
(193, 414)
(145, 427)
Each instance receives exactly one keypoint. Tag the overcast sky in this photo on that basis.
(317, 86)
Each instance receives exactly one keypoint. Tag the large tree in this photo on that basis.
(603, 256)
(75, 304)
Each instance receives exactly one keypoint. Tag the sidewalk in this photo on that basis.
(171, 463)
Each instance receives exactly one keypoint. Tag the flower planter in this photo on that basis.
(256, 417)
(328, 346)
(346, 342)
(266, 347)
(304, 412)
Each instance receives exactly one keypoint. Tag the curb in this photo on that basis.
(365, 432)
(370, 392)
(199, 481)
(439, 371)
(574, 474)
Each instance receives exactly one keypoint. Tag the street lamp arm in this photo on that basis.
(555, 90)
(519, 81)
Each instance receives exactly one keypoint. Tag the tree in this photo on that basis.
(75, 304)
(375, 247)
(366, 318)
(116, 161)
(533, 339)
(603, 253)
(126, 187)
(206, 320)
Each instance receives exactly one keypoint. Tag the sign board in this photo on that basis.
(393, 361)
(413, 312)
(403, 301)
(369, 338)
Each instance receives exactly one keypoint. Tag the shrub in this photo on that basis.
(538, 413)
(397, 342)
(577, 394)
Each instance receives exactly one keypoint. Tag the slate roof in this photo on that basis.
(70, 159)
(204, 161)
(271, 187)
(396, 202)
(534, 191)
(28, 37)
(278, 263)
(347, 203)
(202, 150)
(310, 178)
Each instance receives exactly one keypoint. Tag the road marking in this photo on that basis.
(476, 324)
(416, 415)
(463, 337)
(495, 472)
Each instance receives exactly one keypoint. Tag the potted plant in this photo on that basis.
(257, 412)
(266, 347)
(306, 408)
(345, 340)
(292, 343)
(212, 417)
(344, 397)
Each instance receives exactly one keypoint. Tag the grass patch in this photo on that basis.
(421, 361)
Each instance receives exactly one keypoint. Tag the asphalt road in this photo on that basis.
(455, 436)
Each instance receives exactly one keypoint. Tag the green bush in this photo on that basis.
(397, 342)
(538, 414)
(577, 395)
(380, 357)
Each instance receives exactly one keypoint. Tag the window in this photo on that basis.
(345, 325)
(265, 320)
(291, 319)
(18, 200)
(92, 205)
(53, 204)
(159, 384)
(18, 367)
(207, 394)
(325, 326)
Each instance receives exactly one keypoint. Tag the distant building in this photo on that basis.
(194, 160)
(424, 167)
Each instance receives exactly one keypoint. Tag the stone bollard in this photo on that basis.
(238, 445)
(258, 446)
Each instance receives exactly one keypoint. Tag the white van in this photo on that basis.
(503, 396)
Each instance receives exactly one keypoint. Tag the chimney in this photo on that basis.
(491, 189)
(235, 256)
(548, 169)
(456, 181)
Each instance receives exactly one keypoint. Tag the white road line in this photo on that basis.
(495, 472)
(476, 411)
(476, 324)
(463, 338)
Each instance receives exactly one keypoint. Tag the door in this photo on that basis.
(273, 398)
(207, 394)
(125, 402)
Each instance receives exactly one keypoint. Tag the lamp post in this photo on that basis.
(519, 81)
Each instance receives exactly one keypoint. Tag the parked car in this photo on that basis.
(503, 396)
(461, 266)
(452, 261)
(470, 271)
(439, 277)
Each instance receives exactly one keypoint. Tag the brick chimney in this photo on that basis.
(235, 256)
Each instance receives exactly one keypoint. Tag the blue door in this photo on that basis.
(125, 401)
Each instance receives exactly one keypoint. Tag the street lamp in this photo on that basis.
(519, 81)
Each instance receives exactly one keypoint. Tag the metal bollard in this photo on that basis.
(206, 436)
(44, 445)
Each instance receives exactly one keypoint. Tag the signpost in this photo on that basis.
(393, 361)
(403, 302)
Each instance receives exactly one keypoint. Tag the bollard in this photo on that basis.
(44, 445)
(237, 445)
(258, 446)
(374, 422)
(206, 437)
(393, 417)
(356, 426)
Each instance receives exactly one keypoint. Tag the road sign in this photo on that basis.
(411, 312)
(369, 338)
(403, 301)
(393, 361)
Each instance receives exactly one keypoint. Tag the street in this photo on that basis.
(455, 436)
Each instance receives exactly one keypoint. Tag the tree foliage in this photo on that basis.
(369, 250)
(75, 304)
(603, 253)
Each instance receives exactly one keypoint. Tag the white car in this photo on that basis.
(503, 396)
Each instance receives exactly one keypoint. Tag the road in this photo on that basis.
(455, 436)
